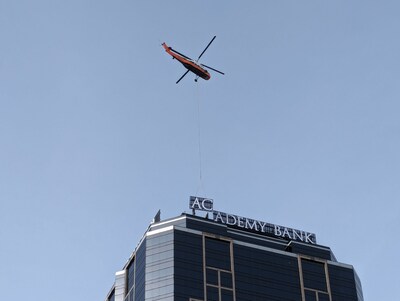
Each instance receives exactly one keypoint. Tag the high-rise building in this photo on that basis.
(226, 257)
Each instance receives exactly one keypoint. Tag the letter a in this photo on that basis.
(196, 204)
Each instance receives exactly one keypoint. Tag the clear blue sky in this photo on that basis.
(95, 136)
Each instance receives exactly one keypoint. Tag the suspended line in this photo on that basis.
(200, 186)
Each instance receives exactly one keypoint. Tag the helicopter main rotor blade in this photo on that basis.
(180, 54)
(213, 69)
(206, 47)
(182, 76)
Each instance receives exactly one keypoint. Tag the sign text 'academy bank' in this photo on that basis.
(205, 204)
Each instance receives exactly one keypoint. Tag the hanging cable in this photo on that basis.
(200, 185)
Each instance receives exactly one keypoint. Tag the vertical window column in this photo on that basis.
(219, 284)
(130, 275)
(314, 280)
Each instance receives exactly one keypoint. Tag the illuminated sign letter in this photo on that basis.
(286, 233)
(251, 225)
(207, 204)
(230, 219)
(297, 236)
(218, 217)
(195, 204)
(262, 225)
(307, 237)
(240, 221)
(277, 230)
(204, 204)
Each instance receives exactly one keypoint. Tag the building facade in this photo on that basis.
(229, 258)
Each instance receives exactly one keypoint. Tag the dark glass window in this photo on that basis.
(212, 276)
(314, 275)
(218, 253)
(323, 297)
(112, 296)
(261, 275)
(212, 293)
(311, 295)
(226, 295)
(140, 272)
(188, 266)
(344, 284)
(219, 279)
(226, 279)
(131, 275)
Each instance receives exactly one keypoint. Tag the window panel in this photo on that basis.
(212, 293)
(131, 274)
(159, 267)
(314, 275)
(212, 276)
(218, 253)
(112, 296)
(226, 295)
(310, 295)
(323, 297)
(226, 279)
(218, 264)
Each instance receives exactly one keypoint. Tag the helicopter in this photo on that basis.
(190, 64)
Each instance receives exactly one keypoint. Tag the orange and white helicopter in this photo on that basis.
(190, 64)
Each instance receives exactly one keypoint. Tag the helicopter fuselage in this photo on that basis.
(188, 63)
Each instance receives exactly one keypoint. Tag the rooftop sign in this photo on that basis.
(249, 224)
(203, 204)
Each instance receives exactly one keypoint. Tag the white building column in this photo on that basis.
(120, 285)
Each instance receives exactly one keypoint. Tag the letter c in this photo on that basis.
(207, 204)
